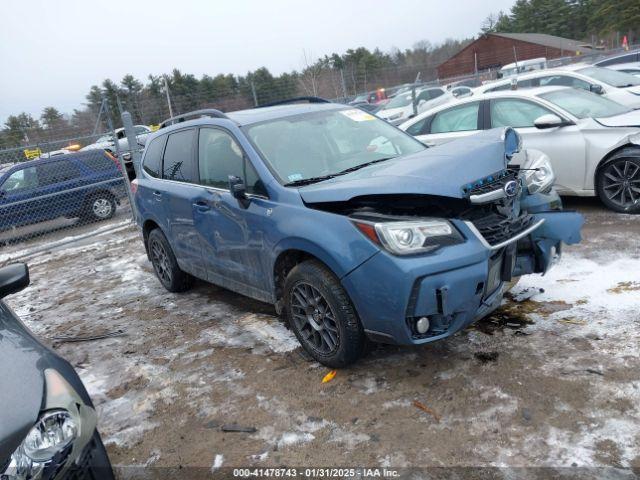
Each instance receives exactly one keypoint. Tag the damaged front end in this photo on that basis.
(468, 246)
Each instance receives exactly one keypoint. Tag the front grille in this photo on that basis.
(497, 181)
(496, 228)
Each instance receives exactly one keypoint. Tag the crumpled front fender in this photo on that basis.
(546, 241)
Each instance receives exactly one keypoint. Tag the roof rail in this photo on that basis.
(207, 112)
(295, 100)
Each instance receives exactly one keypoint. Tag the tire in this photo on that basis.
(100, 206)
(165, 264)
(328, 327)
(618, 181)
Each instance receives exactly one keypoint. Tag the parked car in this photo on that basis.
(85, 184)
(633, 56)
(375, 97)
(48, 423)
(632, 68)
(350, 227)
(617, 86)
(523, 66)
(401, 107)
(593, 143)
(108, 143)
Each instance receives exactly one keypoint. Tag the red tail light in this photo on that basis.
(114, 159)
(134, 186)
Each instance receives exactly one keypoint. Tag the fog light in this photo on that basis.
(422, 325)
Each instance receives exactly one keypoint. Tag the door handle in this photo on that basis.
(202, 205)
(157, 194)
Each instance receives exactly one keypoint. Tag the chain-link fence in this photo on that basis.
(75, 172)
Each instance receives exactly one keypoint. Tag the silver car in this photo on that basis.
(593, 143)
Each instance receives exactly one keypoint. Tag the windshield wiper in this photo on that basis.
(307, 181)
(362, 165)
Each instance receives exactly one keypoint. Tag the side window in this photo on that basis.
(458, 119)
(56, 172)
(219, 156)
(152, 163)
(97, 161)
(506, 86)
(511, 112)
(179, 162)
(565, 81)
(24, 179)
(436, 93)
(418, 128)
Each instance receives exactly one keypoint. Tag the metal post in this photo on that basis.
(413, 100)
(255, 96)
(344, 85)
(123, 169)
(135, 153)
(166, 90)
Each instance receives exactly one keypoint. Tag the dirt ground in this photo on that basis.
(550, 381)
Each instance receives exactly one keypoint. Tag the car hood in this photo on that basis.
(21, 385)
(390, 112)
(442, 171)
(629, 119)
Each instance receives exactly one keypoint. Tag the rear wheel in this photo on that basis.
(321, 315)
(101, 206)
(165, 264)
(618, 181)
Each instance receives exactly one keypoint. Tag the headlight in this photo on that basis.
(411, 237)
(53, 432)
(538, 173)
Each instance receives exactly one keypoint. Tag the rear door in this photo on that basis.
(449, 124)
(61, 189)
(565, 146)
(180, 191)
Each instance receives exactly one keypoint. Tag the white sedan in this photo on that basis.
(593, 143)
(620, 87)
(400, 107)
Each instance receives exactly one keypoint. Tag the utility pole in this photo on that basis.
(255, 96)
(166, 90)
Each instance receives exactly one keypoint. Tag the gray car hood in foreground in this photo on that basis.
(442, 171)
(629, 119)
(21, 382)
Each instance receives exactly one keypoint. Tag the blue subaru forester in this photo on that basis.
(352, 228)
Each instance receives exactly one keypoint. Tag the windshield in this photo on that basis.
(326, 143)
(611, 77)
(398, 101)
(583, 104)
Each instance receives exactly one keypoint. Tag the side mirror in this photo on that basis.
(13, 278)
(596, 89)
(238, 190)
(549, 121)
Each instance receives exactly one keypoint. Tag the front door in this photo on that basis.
(232, 233)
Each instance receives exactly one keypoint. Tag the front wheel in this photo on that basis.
(618, 182)
(321, 315)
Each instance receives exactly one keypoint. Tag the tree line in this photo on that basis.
(332, 76)
(599, 21)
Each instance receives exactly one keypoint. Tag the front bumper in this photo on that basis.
(454, 286)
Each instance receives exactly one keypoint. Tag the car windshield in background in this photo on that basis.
(399, 101)
(314, 146)
(611, 77)
(583, 104)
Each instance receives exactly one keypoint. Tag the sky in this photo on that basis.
(52, 51)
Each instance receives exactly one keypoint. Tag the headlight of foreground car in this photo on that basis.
(539, 175)
(52, 433)
(59, 434)
(411, 237)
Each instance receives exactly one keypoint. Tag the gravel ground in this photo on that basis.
(552, 380)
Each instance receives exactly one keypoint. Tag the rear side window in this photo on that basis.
(152, 163)
(98, 162)
(458, 119)
(420, 127)
(56, 172)
(24, 179)
(179, 164)
(564, 81)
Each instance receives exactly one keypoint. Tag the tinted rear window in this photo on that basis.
(179, 162)
(152, 163)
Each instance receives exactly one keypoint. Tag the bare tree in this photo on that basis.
(311, 71)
